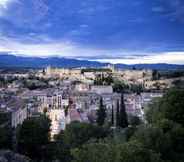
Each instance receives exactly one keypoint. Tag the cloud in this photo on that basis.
(167, 57)
(64, 48)
(4, 3)
(173, 9)
(4, 6)
(158, 9)
(95, 28)
(24, 14)
(137, 20)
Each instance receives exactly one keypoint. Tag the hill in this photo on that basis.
(12, 61)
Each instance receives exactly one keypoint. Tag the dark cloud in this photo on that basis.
(132, 24)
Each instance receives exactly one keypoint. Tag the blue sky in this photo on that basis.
(117, 31)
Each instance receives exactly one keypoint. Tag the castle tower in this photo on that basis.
(111, 67)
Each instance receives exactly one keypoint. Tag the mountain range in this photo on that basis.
(13, 61)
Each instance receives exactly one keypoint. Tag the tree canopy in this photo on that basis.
(33, 136)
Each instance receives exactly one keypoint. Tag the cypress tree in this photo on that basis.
(112, 117)
(101, 113)
(117, 114)
(123, 121)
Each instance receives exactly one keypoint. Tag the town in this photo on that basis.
(68, 95)
(91, 81)
(78, 94)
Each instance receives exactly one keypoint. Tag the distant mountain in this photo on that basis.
(8, 61)
(159, 66)
(37, 62)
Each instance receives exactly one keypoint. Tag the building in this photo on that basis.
(17, 109)
(101, 89)
(135, 104)
(62, 73)
(134, 76)
(58, 122)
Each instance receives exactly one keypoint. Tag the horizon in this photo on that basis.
(84, 59)
(133, 32)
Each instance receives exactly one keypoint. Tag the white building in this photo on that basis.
(101, 89)
(18, 110)
(135, 103)
(58, 122)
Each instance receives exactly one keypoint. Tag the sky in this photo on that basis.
(116, 31)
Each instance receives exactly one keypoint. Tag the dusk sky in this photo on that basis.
(116, 31)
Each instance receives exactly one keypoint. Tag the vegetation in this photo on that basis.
(103, 80)
(117, 114)
(170, 107)
(120, 86)
(33, 137)
(103, 152)
(155, 75)
(96, 70)
(74, 136)
(171, 74)
(160, 139)
(121, 116)
(123, 120)
(5, 131)
(166, 116)
(5, 137)
(101, 114)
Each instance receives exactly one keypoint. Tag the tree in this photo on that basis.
(120, 86)
(166, 115)
(94, 152)
(117, 114)
(77, 133)
(134, 121)
(134, 151)
(155, 75)
(167, 140)
(106, 151)
(136, 88)
(151, 138)
(5, 137)
(112, 116)
(123, 121)
(170, 107)
(101, 113)
(74, 136)
(5, 131)
(33, 136)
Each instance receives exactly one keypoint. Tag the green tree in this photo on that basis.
(112, 116)
(120, 86)
(94, 152)
(74, 136)
(33, 136)
(117, 114)
(165, 116)
(155, 75)
(134, 121)
(170, 107)
(5, 137)
(134, 151)
(152, 138)
(136, 88)
(109, 152)
(101, 113)
(77, 133)
(5, 131)
(123, 120)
